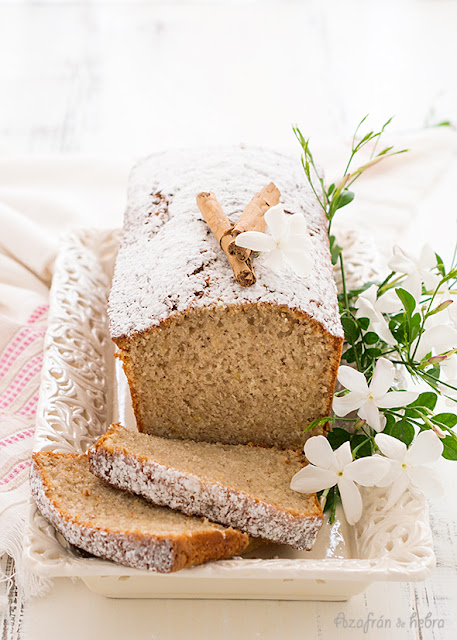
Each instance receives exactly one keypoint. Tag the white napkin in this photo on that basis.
(406, 199)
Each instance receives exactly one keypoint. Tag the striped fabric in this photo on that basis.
(20, 368)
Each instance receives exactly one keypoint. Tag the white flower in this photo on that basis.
(367, 399)
(452, 311)
(416, 270)
(288, 243)
(448, 313)
(407, 465)
(438, 339)
(369, 306)
(447, 391)
(328, 468)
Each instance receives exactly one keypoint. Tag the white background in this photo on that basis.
(122, 79)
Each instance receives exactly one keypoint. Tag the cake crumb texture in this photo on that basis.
(116, 525)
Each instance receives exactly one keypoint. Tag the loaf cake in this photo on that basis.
(243, 486)
(116, 525)
(207, 359)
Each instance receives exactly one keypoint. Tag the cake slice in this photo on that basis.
(243, 486)
(116, 525)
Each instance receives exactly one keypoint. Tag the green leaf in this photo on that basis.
(408, 301)
(351, 329)
(427, 399)
(365, 449)
(333, 498)
(384, 151)
(331, 189)
(371, 338)
(373, 353)
(335, 252)
(448, 419)
(344, 198)
(337, 437)
(402, 430)
(364, 323)
(450, 448)
(349, 355)
(440, 265)
(390, 421)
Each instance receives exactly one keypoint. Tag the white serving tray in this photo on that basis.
(81, 394)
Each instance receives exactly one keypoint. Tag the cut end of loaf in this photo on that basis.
(238, 374)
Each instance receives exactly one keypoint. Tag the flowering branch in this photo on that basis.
(403, 329)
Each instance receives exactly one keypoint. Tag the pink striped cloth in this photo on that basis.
(26, 257)
(20, 367)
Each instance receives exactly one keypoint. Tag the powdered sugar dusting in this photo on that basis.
(190, 494)
(133, 551)
(169, 260)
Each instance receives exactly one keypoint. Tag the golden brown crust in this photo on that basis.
(202, 547)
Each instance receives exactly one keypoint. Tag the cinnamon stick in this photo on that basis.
(253, 218)
(221, 226)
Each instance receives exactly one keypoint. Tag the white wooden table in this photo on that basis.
(126, 78)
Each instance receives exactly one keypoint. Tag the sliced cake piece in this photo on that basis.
(243, 486)
(116, 525)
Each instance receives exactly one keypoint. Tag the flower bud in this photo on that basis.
(437, 359)
(441, 307)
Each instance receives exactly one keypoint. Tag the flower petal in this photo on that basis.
(427, 480)
(300, 242)
(388, 302)
(398, 488)
(255, 241)
(297, 225)
(351, 499)
(300, 261)
(319, 452)
(391, 447)
(276, 220)
(413, 284)
(370, 412)
(430, 280)
(453, 312)
(369, 295)
(393, 471)
(367, 471)
(342, 405)
(401, 262)
(365, 310)
(352, 379)
(426, 448)
(427, 257)
(343, 456)
(274, 260)
(397, 399)
(440, 338)
(311, 479)
(383, 377)
(382, 329)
